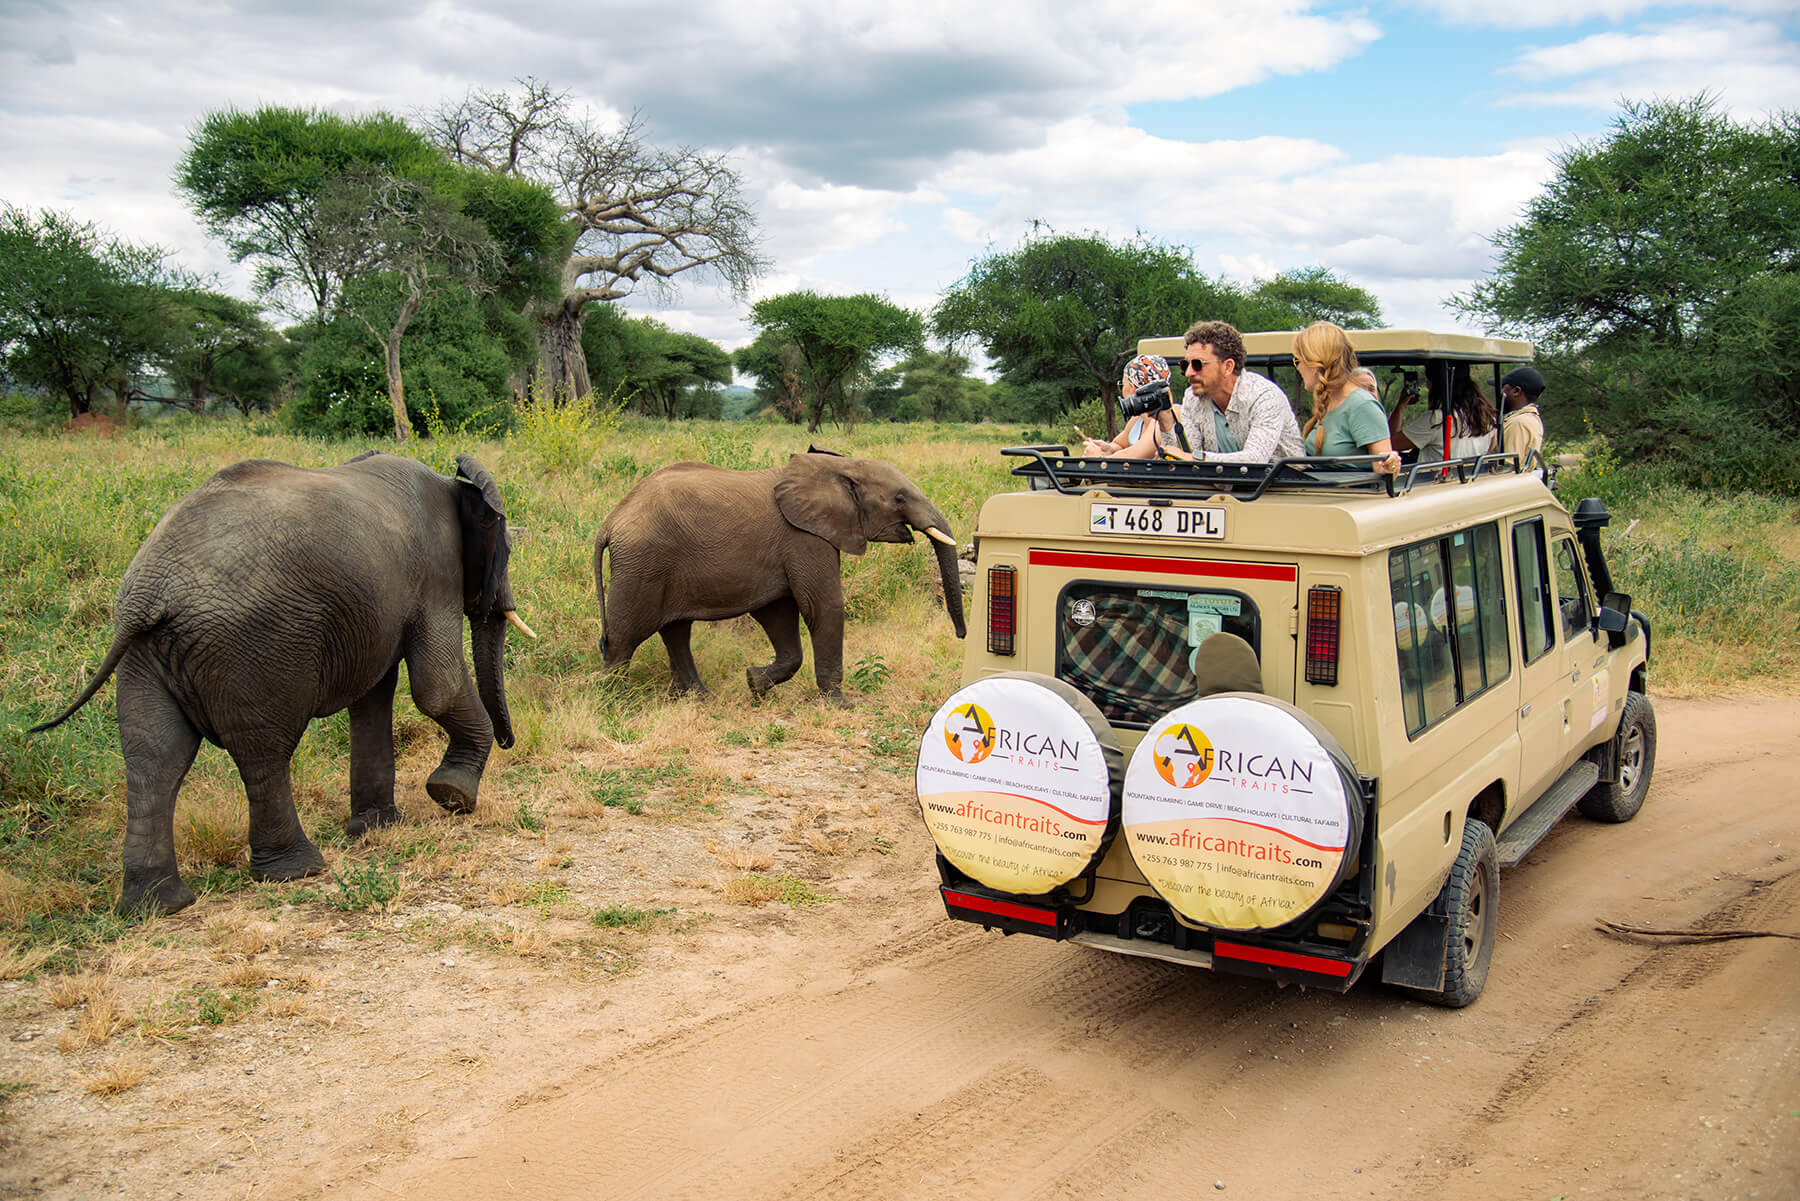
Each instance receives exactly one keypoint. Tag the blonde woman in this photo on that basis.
(1346, 419)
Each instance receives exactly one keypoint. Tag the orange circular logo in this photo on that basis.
(969, 733)
(1183, 756)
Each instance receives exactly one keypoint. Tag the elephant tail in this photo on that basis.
(121, 641)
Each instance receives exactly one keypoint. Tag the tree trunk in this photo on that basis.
(562, 363)
(396, 386)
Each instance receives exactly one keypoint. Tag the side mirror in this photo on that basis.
(1615, 617)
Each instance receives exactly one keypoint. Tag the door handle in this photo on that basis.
(1525, 711)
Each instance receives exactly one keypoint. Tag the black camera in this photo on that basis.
(1153, 397)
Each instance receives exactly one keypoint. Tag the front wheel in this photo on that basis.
(1470, 901)
(1634, 750)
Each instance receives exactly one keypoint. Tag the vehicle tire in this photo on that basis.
(1634, 750)
(1471, 904)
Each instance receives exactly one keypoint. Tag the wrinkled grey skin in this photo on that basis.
(274, 594)
(694, 542)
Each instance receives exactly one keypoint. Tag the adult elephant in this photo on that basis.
(272, 595)
(693, 542)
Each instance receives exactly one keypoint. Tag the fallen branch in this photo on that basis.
(1620, 928)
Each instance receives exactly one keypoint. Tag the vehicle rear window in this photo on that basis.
(1130, 650)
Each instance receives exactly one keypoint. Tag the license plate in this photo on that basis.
(1156, 521)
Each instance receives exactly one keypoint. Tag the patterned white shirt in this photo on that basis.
(1258, 416)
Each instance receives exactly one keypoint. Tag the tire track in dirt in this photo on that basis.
(946, 1061)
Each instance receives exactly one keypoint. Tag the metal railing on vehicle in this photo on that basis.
(1053, 467)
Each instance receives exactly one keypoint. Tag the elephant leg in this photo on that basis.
(372, 758)
(684, 677)
(279, 847)
(780, 620)
(159, 743)
(442, 690)
(821, 598)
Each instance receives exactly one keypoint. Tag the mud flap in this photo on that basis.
(1415, 958)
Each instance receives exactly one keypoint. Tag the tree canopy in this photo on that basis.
(82, 313)
(1660, 271)
(1071, 308)
(256, 179)
(643, 214)
(832, 342)
(652, 368)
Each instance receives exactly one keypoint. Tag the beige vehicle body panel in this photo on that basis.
(1494, 752)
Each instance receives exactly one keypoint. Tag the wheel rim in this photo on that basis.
(1631, 759)
(1475, 916)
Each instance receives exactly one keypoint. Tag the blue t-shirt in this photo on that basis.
(1357, 421)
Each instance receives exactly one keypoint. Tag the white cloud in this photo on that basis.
(1531, 14)
(1749, 64)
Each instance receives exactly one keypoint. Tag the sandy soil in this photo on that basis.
(868, 1047)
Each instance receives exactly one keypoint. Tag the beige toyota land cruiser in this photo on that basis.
(1285, 720)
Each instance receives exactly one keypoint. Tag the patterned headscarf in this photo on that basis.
(1145, 369)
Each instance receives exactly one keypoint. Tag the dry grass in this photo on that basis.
(753, 891)
(16, 962)
(212, 826)
(126, 1072)
(741, 858)
(244, 975)
(101, 1016)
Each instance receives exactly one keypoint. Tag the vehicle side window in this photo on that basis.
(1537, 633)
(1449, 597)
(1571, 590)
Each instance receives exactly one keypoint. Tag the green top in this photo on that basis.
(1357, 421)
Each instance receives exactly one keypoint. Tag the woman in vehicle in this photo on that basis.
(1146, 435)
(1346, 419)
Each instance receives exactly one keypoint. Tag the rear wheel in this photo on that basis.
(1634, 750)
(1470, 901)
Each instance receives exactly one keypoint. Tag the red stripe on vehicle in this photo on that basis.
(1024, 913)
(1159, 566)
(1304, 963)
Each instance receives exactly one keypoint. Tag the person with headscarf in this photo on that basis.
(1146, 435)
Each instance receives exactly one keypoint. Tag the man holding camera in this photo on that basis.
(1233, 415)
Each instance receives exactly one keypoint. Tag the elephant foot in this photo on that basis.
(294, 862)
(758, 681)
(149, 897)
(358, 824)
(834, 699)
(454, 789)
(677, 688)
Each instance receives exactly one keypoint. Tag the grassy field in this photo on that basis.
(1719, 576)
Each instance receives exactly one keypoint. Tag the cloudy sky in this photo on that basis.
(885, 145)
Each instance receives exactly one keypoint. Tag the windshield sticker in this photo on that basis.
(1236, 814)
(1013, 786)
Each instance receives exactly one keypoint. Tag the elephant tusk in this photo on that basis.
(513, 619)
(939, 535)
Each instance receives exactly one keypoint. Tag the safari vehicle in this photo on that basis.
(1423, 673)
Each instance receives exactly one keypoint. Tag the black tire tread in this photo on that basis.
(1610, 801)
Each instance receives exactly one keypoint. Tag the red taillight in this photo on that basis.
(1002, 592)
(1323, 605)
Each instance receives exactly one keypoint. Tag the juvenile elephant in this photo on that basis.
(694, 542)
(272, 595)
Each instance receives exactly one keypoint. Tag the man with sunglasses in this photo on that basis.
(1232, 415)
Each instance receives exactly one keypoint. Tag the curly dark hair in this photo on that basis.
(1222, 336)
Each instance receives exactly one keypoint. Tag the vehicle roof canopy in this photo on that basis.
(1374, 347)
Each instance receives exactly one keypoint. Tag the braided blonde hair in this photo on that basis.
(1326, 349)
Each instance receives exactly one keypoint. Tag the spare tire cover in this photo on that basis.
(1242, 812)
(1017, 782)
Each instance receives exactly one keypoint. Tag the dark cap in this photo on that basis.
(1526, 380)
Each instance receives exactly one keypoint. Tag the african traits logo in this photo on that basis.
(969, 733)
(1183, 755)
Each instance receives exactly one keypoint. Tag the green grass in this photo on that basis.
(1718, 575)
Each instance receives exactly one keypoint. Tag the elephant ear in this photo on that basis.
(816, 494)
(485, 544)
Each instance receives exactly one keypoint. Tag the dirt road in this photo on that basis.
(868, 1048)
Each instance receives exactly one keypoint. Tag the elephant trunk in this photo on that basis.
(937, 527)
(487, 641)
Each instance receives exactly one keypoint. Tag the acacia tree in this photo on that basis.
(1065, 308)
(256, 180)
(221, 344)
(644, 214)
(393, 244)
(835, 339)
(1292, 299)
(81, 313)
(1659, 268)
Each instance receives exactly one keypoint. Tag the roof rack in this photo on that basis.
(1052, 467)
